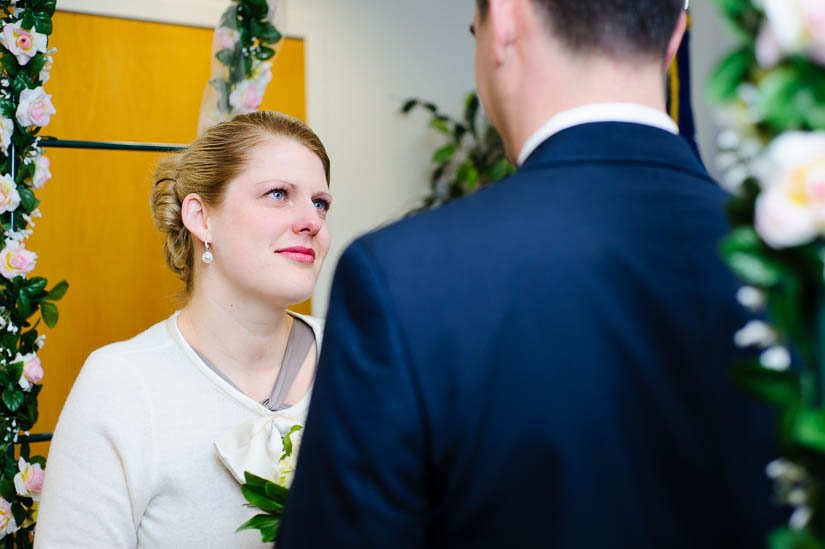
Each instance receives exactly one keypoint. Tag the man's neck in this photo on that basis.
(575, 84)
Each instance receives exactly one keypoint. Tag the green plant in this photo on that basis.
(472, 158)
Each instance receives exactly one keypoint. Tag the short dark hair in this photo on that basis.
(631, 27)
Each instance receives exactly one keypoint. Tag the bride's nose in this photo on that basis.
(307, 221)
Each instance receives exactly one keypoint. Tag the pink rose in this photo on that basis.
(226, 37)
(7, 522)
(9, 197)
(29, 480)
(15, 260)
(246, 97)
(21, 43)
(33, 370)
(34, 483)
(35, 108)
(41, 172)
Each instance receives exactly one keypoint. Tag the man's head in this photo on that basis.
(537, 57)
(619, 27)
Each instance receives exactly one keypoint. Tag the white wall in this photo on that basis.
(364, 57)
(710, 40)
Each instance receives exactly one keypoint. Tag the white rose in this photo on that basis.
(791, 208)
(35, 107)
(41, 171)
(21, 43)
(9, 197)
(6, 131)
(798, 26)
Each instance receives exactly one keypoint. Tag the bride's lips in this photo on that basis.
(298, 253)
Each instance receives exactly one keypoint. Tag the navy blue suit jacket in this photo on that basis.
(541, 364)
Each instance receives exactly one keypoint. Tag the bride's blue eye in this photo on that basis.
(319, 204)
(277, 194)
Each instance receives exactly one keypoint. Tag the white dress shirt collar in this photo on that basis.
(597, 112)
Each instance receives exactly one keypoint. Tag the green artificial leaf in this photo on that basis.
(440, 123)
(27, 199)
(13, 399)
(15, 372)
(7, 107)
(500, 170)
(264, 53)
(18, 512)
(777, 388)
(270, 532)
(35, 65)
(59, 290)
(743, 19)
(9, 62)
(408, 105)
(276, 492)
(467, 175)
(40, 460)
(265, 32)
(780, 100)
(47, 6)
(27, 341)
(29, 414)
(247, 62)
(34, 285)
(254, 480)
(745, 254)
(24, 305)
(7, 489)
(809, 429)
(444, 154)
(259, 522)
(288, 439)
(28, 19)
(728, 74)
(42, 22)
(459, 131)
(48, 311)
(471, 105)
(255, 498)
(9, 340)
(226, 56)
(22, 81)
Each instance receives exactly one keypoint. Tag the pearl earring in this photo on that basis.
(207, 256)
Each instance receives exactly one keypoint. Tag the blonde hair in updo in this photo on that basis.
(206, 166)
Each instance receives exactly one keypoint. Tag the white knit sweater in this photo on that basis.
(133, 464)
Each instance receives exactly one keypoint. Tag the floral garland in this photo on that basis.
(245, 41)
(772, 154)
(25, 108)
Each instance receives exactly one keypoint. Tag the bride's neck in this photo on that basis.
(242, 337)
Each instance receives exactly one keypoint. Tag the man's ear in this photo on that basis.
(193, 212)
(675, 39)
(503, 20)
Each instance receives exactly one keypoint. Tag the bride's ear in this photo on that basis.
(194, 214)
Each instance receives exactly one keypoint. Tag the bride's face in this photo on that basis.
(269, 234)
